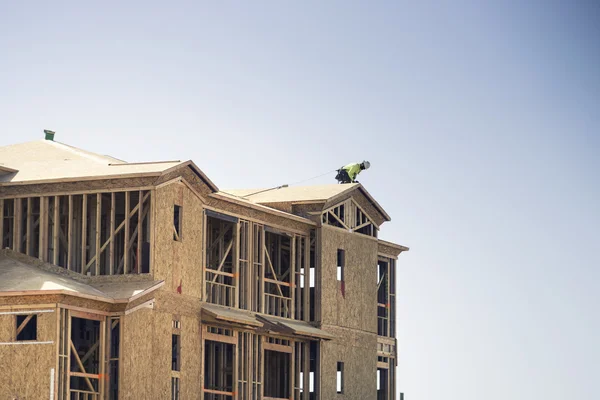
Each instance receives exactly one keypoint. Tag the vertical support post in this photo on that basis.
(29, 230)
(292, 276)
(204, 254)
(262, 251)
(236, 264)
(68, 350)
(43, 245)
(292, 377)
(139, 231)
(262, 362)
(112, 234)
(70, 234)
(98, 231)
(55, 230)
(306, 302)
(17, 228)
(84, 233)
(1, 222)
(306, 368)
(102, 341)
(236, 377)
(152, 227)
(126, 248)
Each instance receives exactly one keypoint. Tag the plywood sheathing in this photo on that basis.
(192, 358)
(281, 206)
(357, 308)
(137, 355)
(390, 249)
(178, 262)
(80, 186)
(171, 302)
(202, 184)
(357, 350)
(25, 368)
(268, 216)
(310, 211)
(49, 160)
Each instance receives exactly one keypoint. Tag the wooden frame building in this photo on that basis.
(145, 281)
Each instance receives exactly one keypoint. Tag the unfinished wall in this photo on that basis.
(357, 350)
(137, 355)
(357, 307)
(49, 189)
(25, 368)
(246, 211)
(192, 358)
(146, 356)
(178, 262)
(350, 315)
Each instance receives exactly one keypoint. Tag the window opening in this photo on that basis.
(218, 370)
(341, 261)
(176, 352)
(177, 223)
(340, 377)
(26, 327)
(277, 374)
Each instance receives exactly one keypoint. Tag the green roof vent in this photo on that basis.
(49, 134)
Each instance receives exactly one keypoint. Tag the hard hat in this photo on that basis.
(366, 164)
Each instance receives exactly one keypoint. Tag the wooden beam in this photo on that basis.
(222, 262)
(43, 239)
(29, 230)
(17, 228)
(84, 233)
(111, 251)
(126, 240)
(74, 352)
(139, 232)
(55, 229)
(98, 231)
(1, 223)
(70, 234)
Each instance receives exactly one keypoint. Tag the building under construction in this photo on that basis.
(145, 281)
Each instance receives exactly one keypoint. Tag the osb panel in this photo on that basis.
(21, 300)
(162, 266)
(46, 326)
(264, 217)
(356, 309)
(358, 351)
(91, 304)
(178, 263)
(146, 357)
(191, 358)
(7, 328)
(78, 186)
(25, 369)
(388, 250)
(303, 210)
(281, 206)
(161, 355)
(190, 176)
(190, 254)
(174, 303)
(137, 355)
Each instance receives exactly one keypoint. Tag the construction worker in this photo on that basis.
(348, 173)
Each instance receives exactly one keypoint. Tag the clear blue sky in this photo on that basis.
(482, 124)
